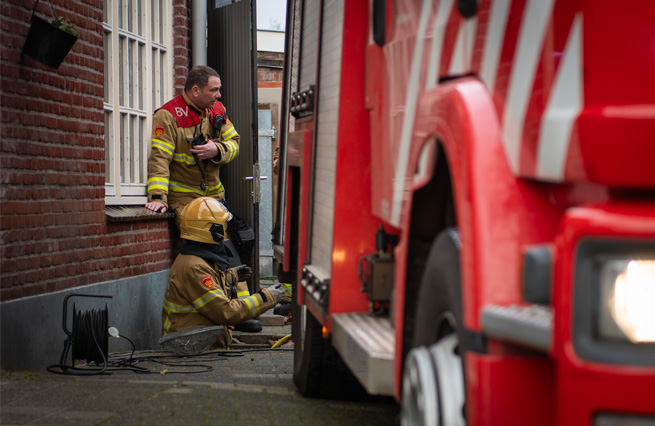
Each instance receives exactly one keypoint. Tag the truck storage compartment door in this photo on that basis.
(323, 194)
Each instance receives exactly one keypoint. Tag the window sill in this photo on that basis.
(133, 214)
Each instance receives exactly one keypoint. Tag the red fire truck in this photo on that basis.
(467, 207)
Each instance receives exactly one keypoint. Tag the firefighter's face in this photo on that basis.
(206, 97)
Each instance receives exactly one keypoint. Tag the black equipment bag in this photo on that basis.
(242, 235)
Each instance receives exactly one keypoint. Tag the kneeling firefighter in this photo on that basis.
(202, 287)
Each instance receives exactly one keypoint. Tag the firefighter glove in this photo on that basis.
(244, 272)
(278, 292)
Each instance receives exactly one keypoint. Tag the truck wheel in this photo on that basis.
(318, 370)
(433, 378)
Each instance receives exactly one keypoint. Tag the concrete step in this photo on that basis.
(271, 320)
(272, 333)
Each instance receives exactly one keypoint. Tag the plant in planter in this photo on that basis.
(50, 41)
(64, 24)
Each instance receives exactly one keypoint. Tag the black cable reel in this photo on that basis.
(88, 339)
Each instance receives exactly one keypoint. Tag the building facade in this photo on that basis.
(74, 143)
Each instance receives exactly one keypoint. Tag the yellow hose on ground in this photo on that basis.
(281, 342)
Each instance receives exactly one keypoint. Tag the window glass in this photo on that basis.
(136, 55)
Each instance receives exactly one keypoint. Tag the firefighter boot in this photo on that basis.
(249, 326)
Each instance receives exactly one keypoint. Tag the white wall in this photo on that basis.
(270, 41)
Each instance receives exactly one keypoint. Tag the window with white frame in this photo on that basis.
(138, 79)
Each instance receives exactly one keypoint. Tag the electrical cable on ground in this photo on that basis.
(90, 348)
(121, 362)
(281, 342)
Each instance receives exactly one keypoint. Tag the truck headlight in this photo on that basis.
(614, 301)
(628, 293)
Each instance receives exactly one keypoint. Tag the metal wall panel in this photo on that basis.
(326, 138)
(229, 52)
(266, 133)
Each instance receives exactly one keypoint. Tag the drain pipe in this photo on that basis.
(199, 32)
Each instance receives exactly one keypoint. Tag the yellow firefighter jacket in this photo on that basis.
(174, 177)
(198, 294)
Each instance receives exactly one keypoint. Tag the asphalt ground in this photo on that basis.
(249, 388)
(249, 385)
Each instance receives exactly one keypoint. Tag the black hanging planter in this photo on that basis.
(46, 42)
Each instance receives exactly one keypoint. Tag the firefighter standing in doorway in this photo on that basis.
(202, 288)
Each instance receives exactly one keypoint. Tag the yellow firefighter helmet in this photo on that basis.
(204, 220)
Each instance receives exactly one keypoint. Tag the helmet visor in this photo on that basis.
(216, 230)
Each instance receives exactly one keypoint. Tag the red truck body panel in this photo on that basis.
(545, 112)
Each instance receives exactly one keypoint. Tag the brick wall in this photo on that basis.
(53, 230)
(269, 69)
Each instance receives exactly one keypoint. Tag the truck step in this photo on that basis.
(529, 326)
(367, 344)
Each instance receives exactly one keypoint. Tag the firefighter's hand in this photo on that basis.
(244, 272)
(206, 151)
(155, 206)
(278, 292)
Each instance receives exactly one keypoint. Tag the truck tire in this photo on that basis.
(307, 351)
(433, 378)
(318, 370)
